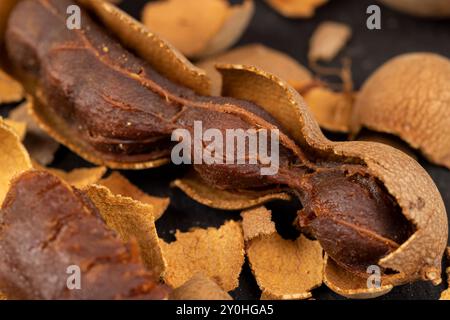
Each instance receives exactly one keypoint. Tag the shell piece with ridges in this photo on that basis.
(409, 96)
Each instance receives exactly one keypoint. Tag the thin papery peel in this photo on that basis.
(79, 178)
(10, 89)
(296, 8)
(131, 219)
(198, 27)
(327, 40)
(199, 191)
(217, 253)
(200, 287)
(14, 159)
(39, 144)
(284, 269)
(262, 57)
(120, 185)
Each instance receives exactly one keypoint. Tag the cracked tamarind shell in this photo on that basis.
(14, 158)
(419, 257)
(409, 96)
(421, 8)
(159, 54)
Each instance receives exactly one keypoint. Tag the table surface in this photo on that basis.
(367, 49)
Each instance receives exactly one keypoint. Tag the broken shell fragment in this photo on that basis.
(409, 97)
(420, 8)
(284, 269)
(351, 286)
(199, 287)
(67, 231)
(332, 110)
(39, 145)
(296, 8)
(257, 222)
(198, 190)
(14, 158)
(120, 185)
(10, 89)
(131, 220)
(198, 27)
(262, 57)
(217, 253)
(327, 40)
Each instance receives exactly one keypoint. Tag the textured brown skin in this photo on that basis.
(46, 226)
(409, 96)
(421, 8)
(277, 99)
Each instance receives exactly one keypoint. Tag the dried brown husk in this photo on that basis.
(158, 53)
(10, 90)
(199, 287)
(217, 253)
(284, 269)
(327, 40)
(348, 285)
(79, 177)
(120, 185)
(198, 190)
(40, 145)
(14, 159)
(198, 28)
(131, 219)
(404, 179)
(296, 8)
(262, 57)
(420, 8)
(332, 110)
(409, 97)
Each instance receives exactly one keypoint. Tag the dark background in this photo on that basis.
(367, 49)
